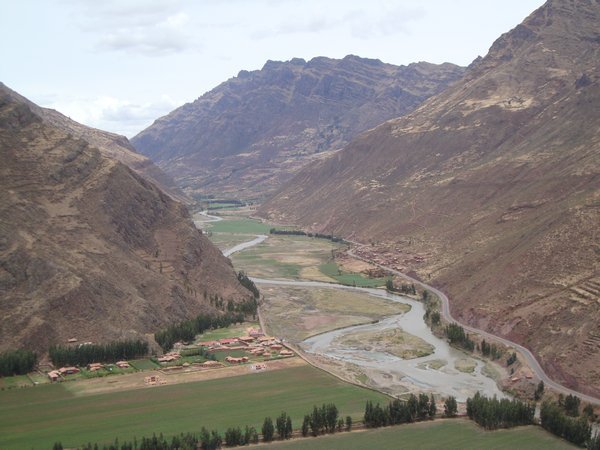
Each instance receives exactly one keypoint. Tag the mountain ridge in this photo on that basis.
(250, 133)
(489, 190)
(90, 249)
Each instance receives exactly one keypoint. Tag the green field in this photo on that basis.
(332, 270)
(37, 417)
(143, 364)
(446, 434)
(15, 381)
(229, 332)
(242, 226)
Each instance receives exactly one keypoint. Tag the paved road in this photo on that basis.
(244, 245)
(526, 353)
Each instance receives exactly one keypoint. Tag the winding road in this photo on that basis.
(526, 353)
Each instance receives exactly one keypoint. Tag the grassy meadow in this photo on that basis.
(36, 417)
(456, 434)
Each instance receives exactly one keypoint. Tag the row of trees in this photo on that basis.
(249, 284)
(235, 436)
(329, 237)
(398, 411)
(81, 355)
(322, 420)
(188, 329)
(17, 362)
(456, 334)
(490, 350)
(577, 431)
(403, 288)
(492, 413)
(206, 440)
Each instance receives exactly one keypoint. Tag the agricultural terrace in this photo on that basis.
(295, 313)
(35, 418)
(446, 434)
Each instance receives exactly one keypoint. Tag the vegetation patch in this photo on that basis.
(25, 414)
(466, 365)
(239, 226)
(394, 341)
(297, 313)
(434, 364)
(331, 269)
(449, 434)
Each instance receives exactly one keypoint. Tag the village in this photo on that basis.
(251, 346)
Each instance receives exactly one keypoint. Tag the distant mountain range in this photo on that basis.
(489, 190)
(88, 248)
(247, 136)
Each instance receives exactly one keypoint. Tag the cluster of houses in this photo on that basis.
(55, 375)
(255, 343)
(169, 357)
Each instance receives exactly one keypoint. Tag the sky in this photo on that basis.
(118, 65)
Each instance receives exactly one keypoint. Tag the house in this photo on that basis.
(93, 367)
(122, 364)
(54, 375)
(228, 341)
(286, 353)
(276, 347)
(211, 364)
(234, 360)
(68, 370)
(166, 359)
(71, 340)
(254, 332)
(246, 339)
(208, 343)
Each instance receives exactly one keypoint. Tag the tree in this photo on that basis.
(423, 408)
(268, 429)
(450, 407)
(348, 423)
(588, 411)
(389, 285)
(288, 427)
(571, 405)
(435, 317)
(539, 391)
(305, 425)
(432, 407)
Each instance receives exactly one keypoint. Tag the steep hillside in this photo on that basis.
(251, 133)
(88, 248)
(110, 144)
(490, 190)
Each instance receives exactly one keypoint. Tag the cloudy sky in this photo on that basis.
(120, 64)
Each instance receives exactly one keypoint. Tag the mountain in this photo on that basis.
(110, 144)
(88, 248)
(489, 190)
(254, 131)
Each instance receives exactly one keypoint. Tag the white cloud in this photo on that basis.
(117, 115)
(146, 27)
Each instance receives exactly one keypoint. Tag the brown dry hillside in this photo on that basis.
(88, 248)
(490, 190)
(247, 136)
(110, 144)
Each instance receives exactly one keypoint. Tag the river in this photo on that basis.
(433, 373)
(398, 372)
